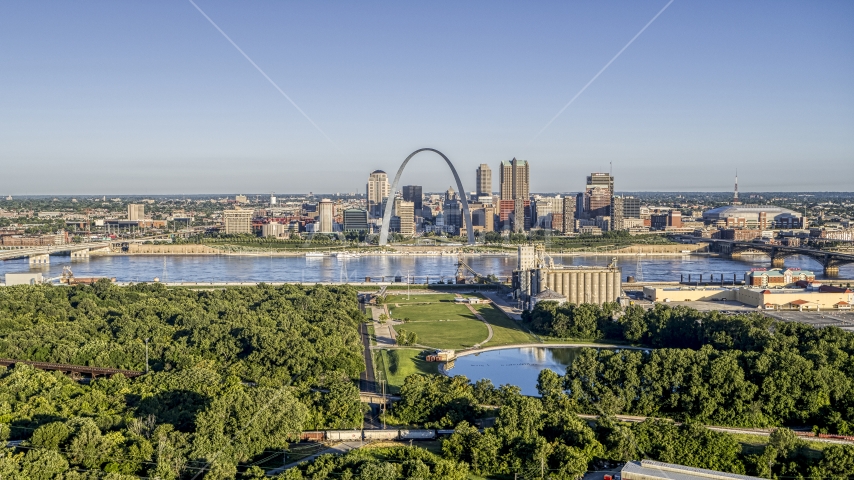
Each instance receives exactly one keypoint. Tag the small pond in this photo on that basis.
(516, 366)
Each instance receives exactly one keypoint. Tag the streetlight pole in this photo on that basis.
(146, 355)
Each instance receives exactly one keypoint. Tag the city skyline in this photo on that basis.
(94, 102)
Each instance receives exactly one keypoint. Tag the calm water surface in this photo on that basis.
(326, 269)
(514, 366)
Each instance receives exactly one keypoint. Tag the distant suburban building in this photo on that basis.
(241, 199)
(237, 221)
(136, 212)
(484, 180)
(325, 214)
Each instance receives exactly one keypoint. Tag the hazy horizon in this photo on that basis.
(151, 98)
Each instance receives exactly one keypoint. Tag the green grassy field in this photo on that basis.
(453, 335)
(442, 325)
(504, 330)
(432, 312)
(391, 300)
(396, 364)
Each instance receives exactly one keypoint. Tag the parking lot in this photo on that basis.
(843, 320)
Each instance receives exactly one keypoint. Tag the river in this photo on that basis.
(221, 268)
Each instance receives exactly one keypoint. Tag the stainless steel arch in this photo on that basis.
(390, 201)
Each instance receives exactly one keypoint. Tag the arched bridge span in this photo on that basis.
(390, 201)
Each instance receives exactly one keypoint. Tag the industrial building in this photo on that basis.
(581, 284)
(816, 297)
(536, 274)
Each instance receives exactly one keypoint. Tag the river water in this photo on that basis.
(222, 268)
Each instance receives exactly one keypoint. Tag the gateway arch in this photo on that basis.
(390, 201)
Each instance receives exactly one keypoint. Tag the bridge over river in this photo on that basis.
(830, 261)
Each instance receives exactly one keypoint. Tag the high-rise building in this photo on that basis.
(377, 189)
(241, 199)
(272, 199)
(453, 209)
(519, 215)
(514, 179)
(413, 193)
(237, 221)
(484, 180)
(355, 219)
(136, 212)
(404, 212)
(631, 207)
(325, 213)
(617, 213)
(274, 229)
(568, 217)
(597, 195)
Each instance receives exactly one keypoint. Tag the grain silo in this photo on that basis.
(580, 284)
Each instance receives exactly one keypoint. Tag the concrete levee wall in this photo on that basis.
(143, 248)
(676, 248)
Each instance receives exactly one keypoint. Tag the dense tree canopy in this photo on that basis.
(235, 373)
(262, 334)
(742, 370)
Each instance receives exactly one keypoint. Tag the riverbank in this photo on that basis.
(346, 252)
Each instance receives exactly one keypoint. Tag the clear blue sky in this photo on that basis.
(147, 97)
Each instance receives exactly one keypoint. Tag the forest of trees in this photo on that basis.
(238, 373)
(235, 373)
(741, 370)
(544, 438)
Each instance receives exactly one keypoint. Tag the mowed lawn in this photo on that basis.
(505, 331)
(397, 364)
(401, 299)
(441, 325)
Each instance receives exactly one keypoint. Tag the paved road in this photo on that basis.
(765, 432)
(367, 378)
(505, 307)
(488, 326)
(340, 448)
